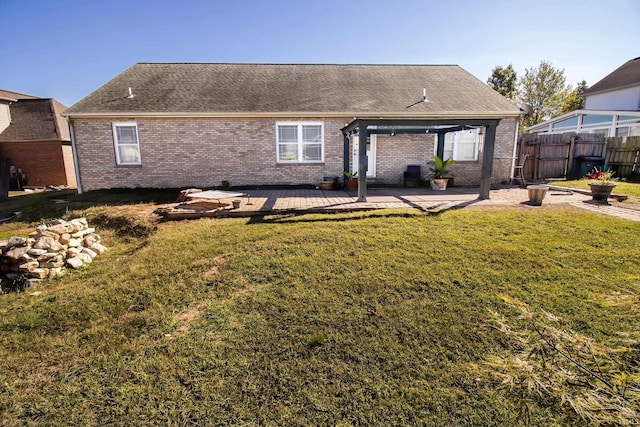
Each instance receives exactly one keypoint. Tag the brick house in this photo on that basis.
(184, 125)
(35, 136)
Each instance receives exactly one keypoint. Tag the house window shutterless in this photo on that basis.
(125, 139)
(299, 142)
(461, 145)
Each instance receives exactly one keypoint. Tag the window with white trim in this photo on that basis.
(125, 139)
(462, 145)
(300, 142)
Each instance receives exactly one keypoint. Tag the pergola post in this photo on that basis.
(363, 161)
(440, 149)
(345, 155)
(487, 160)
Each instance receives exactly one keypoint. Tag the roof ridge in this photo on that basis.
(297, 63)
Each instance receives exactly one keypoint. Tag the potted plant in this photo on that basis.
(440, 172)
(602, 183)
(351, 181)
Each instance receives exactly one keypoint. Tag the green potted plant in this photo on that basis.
(440, 172)
(351, 181)
(601, 183)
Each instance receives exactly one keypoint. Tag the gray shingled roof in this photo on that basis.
(628, 74)
(13, 96)
(36, 120)
(296, 88)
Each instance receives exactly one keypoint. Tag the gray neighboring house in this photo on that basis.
(187, 124)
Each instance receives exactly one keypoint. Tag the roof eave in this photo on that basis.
(601, 91)
(301, 114)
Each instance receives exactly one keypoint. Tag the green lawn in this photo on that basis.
(353, 319)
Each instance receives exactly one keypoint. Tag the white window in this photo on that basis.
(125, 139)
(461, 145)
(300, 142)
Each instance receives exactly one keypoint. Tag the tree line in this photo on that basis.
(544, 88)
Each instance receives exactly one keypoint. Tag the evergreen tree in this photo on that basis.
(575, 99)
(504, 80)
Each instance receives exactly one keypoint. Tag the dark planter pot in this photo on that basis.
(601, 192)
(352, 185)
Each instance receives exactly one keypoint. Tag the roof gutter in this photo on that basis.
(372, 115)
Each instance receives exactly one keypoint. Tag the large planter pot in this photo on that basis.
(537, 193)
(601, 192)
(352, 185)
(326, 185)
(439, 184)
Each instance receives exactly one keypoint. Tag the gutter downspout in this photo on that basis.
(74, 150)
(513, 155)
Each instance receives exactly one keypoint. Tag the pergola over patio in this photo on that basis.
(365, 127)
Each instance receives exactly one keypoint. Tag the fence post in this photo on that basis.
(569, 165)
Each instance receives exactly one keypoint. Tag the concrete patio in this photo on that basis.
(280, 201)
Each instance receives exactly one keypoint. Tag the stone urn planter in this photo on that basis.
(601, 192)
(537, 194)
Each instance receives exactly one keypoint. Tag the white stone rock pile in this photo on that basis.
(49, 249)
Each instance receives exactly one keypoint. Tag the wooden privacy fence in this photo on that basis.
(623, 155)
(567, 155)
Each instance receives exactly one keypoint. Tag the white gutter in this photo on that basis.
(74, 150)
(373, 115)
(513, 155)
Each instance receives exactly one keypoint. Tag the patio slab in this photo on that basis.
(262, 201)
(278, 201)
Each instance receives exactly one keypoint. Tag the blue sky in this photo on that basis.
(65, 49)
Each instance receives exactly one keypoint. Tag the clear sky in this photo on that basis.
(65, 49)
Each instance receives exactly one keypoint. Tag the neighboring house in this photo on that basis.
(35, 136)
(183, 125)
(612, 107)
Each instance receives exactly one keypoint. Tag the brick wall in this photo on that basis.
(41, 161)
(202, 152)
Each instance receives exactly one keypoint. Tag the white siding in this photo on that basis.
(624, 99)
(5, 116)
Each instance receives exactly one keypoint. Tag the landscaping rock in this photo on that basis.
(74, 243)
(85, 258)
(16, 241)
(81, 233)
(27, 266)
(49, 243)
(59, 228)
(16, 252)
(74, 262)
(48, 249)
(39, 273)
(89, 252)
(36, 252)
(98, 248)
